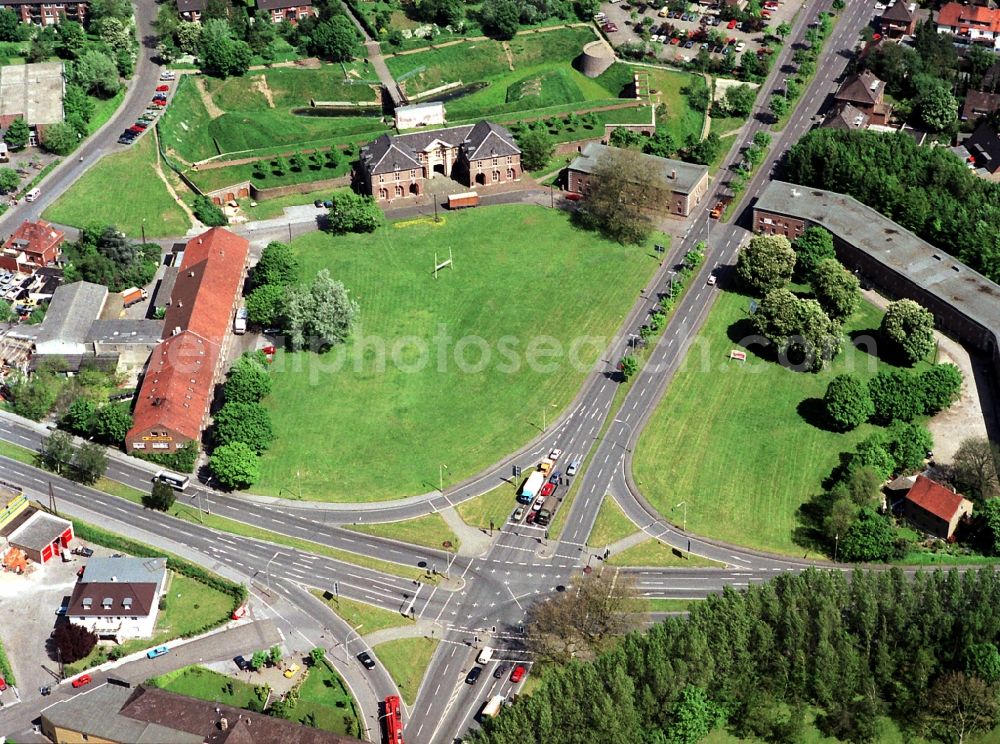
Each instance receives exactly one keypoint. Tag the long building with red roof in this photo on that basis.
(176, 395)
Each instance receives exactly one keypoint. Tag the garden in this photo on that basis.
(436, 373)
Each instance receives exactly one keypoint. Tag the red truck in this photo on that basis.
(133, 295)
(466, 199)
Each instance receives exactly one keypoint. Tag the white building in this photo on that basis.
(118, 598)
(420, 115)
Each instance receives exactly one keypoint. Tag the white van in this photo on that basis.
(33, 194)
(240, 322)
(485, 655)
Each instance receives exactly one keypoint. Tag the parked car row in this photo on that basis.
(156, 105)
(517, 674)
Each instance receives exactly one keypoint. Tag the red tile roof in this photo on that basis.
(37, 239)
(178, 386)
(934, 498)
(963, 17)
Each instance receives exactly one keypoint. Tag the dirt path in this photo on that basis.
(213, 111)
(510, 57)
(265, 90)
(158, 167)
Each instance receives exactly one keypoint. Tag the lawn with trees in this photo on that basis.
(393, 428)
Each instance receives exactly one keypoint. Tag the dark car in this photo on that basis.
(328, 204)
(84, 551)
(500, 671)
(241, 663)
(44, 690)
(473, 676)
(366, 660)
(318, 204)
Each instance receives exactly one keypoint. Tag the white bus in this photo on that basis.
(492, 708)
(33, 194)
(178, 482)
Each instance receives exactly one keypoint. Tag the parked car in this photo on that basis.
(688, 44)
(241, 663)
(517, 515)
(83, 550)
(162, 88)
(83, 679)
(366, 660)
(141, 126)
(3, 684)
(318, 204)
(156, 652)
(291, 671)
(740, 46)
(61, 610)
(473, 676)
(731, 25)
(518, 674)
(44, 690)
(530, 519)
(328, 204)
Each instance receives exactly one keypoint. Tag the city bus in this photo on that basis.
(393, 720)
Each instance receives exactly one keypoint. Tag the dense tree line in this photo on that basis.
(925, 189)
(856, 647)
(104, 255)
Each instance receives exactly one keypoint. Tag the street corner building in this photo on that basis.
(684, 184)
(395, 167)
(177, 388)
(118, 598)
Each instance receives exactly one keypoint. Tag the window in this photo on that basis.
(399, 190)
(161, 445)
(496, 176)
(509, 160)
(510, 174)
(494, 161)
(138, 445)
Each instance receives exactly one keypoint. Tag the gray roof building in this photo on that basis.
(67, 322)
(135, 570)
(679, 176)
(390, 153)
(125, 330)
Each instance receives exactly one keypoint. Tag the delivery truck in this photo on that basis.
(133, 295)
(531, 487)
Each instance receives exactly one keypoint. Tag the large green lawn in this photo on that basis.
(406, 660)
(204, 684)
(124, 190)
(349, 430)
(737, 442)
(324, 702)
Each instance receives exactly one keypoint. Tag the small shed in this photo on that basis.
(935, 509)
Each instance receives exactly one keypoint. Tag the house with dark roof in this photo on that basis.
(118, 598)
(120, 713)
(846, 116)
(683, 184)
(899, 19)
(173, 402)
(191, 10)
(32, 245)
(866, 93)
(395, 167)
(46, 12)
(286, 10)
(983, 148)
(970, 24)
(978, 104)
(934, 509)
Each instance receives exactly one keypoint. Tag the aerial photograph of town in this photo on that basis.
(499, 371)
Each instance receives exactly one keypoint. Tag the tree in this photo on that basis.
(940, 387)
(56, 451)
(9, 180)
(739, 100)
(334, 39)
(983, 660)
(209, 212)
(72, 39)
(222, 55)
(90, 462)
(974, 468)
(500, 18)
(298, 162)
(621, 186)
(353, 212)
(704, 151)
(694, 716)
(248, 380)
(660, 144)
(958, 706)
(60, 138)
(73, 642)
(249, 423)
(872, 452)
(235, 465)
(909, 328)
(319, 315)
(896, 396)
(79, 417)
(161, 498)
(847, 402)
(798, 328)
(870, 538)
(277, 265)
(9, 25)
(935, 104)
(264, 305)
(908, 443)
(96, 73)
(777, 104)
(258, 660)
(17, 134)
(783, 29)
(316, 655)
(836, 289)
(766, 263)
(628, 366)
(536, 147)
(274, 656)
(990, 511)
(624, 137)
(113, 422)
(815, 244)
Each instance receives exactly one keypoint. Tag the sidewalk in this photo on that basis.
(472, 540)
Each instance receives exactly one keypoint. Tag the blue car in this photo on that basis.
(158, 651)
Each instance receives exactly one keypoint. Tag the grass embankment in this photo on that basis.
(364, 618)
(453, 370)
(494, 506)
(430, 530)
(760, 452)
(611, 524)
(407, 660)
(653, 553)
(204, 684)
(140, 195)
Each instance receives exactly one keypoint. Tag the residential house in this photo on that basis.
(866, 93)
(934, 509)
(46, 13)
(970, 24)
(684, 184)
(287, 10)
(173, 402)
(119, 598)
(32, 246)
(979, 104)
(899, 19)
(983, 148)
(398, 166)
(191, 10)
(846, 116)
(121, 713)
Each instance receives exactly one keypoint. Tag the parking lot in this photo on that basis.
(678, 37)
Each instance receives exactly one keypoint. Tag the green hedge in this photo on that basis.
(5, 668)
(182, 460)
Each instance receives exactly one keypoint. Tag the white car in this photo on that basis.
(573, 467)
(879, 6)
(555, 454)
(741, 46)
(711, 280)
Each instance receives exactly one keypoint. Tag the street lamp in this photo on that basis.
(267, 570)
(143, 228)
(628, 426)
(544, 412)
(441, 468)
(685, 505)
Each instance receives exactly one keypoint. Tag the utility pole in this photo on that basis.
(52, 500)
(685, 505)
(143, 227)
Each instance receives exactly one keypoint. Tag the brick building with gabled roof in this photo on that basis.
(398, 166)
(899, 19)
(31, 246)
(176, 394)
(866, 93)
(970, 24)
(935, 509)
(292, 11)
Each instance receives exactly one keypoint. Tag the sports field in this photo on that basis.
(456, 390)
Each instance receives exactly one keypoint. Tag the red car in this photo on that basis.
(140, 126)
(162, 88)
(573, 197)
(530, 519)
(83, 679)
(548, 489)
(518, 674)
(3, 684)
(731, 25)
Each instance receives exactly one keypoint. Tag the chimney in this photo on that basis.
(673, 175)
(223, 723)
